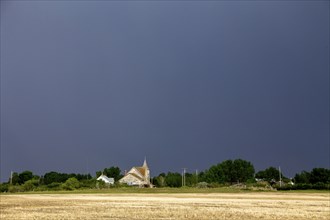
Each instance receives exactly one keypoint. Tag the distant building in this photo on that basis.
(106, 179)
(138, 176)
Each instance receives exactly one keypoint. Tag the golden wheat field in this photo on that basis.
(167, 206)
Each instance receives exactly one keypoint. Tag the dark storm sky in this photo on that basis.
(88, 85)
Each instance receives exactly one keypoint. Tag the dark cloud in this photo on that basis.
(87, 85)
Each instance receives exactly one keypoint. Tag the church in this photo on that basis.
(138, 176)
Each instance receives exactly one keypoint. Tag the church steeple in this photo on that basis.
(145, 162)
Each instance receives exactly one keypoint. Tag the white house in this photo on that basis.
(106, 179)
(138, 176)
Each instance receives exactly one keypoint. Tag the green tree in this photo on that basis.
(98, 173)
(15, 179)
(303, 177)
(190, 179)
(81, 177)
(320, 175)
(230, 171)
(112, 172)
(52, 177)
(270, 174)
(201, 177)
(159, 181)
(215, 174)
(55, 177)
(242, 171)
(227, 171)
(173, 179)
(25, 176)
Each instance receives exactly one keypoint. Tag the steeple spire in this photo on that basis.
(145, 162)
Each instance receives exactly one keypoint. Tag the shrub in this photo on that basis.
(71, 184)
(286, 187)
(88, 183)
(262, 184)
(303, 186)
(202, 185)
(215, 185)
(14, 188)
(320, 185)
(54, 186)
(42, 188)
(30, 185)
(251, 181)
(4, 187)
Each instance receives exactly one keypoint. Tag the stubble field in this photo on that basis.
(270, 205)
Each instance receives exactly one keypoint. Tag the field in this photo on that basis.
(247, 205)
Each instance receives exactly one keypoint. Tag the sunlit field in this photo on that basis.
(248, 205)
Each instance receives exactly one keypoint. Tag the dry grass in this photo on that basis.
(167, 206)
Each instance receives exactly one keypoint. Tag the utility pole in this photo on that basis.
(11, 177)
(279, 171)
(87, 167)
(196, 176)
(184, 176)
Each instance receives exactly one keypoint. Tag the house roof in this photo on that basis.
(105, 178)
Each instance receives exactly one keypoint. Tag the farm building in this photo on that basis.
(138, 176)
(106, 179)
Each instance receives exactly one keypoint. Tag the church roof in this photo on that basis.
(142, 170)
(135, 175)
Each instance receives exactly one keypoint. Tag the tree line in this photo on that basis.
(228, 172)
(238, 171)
